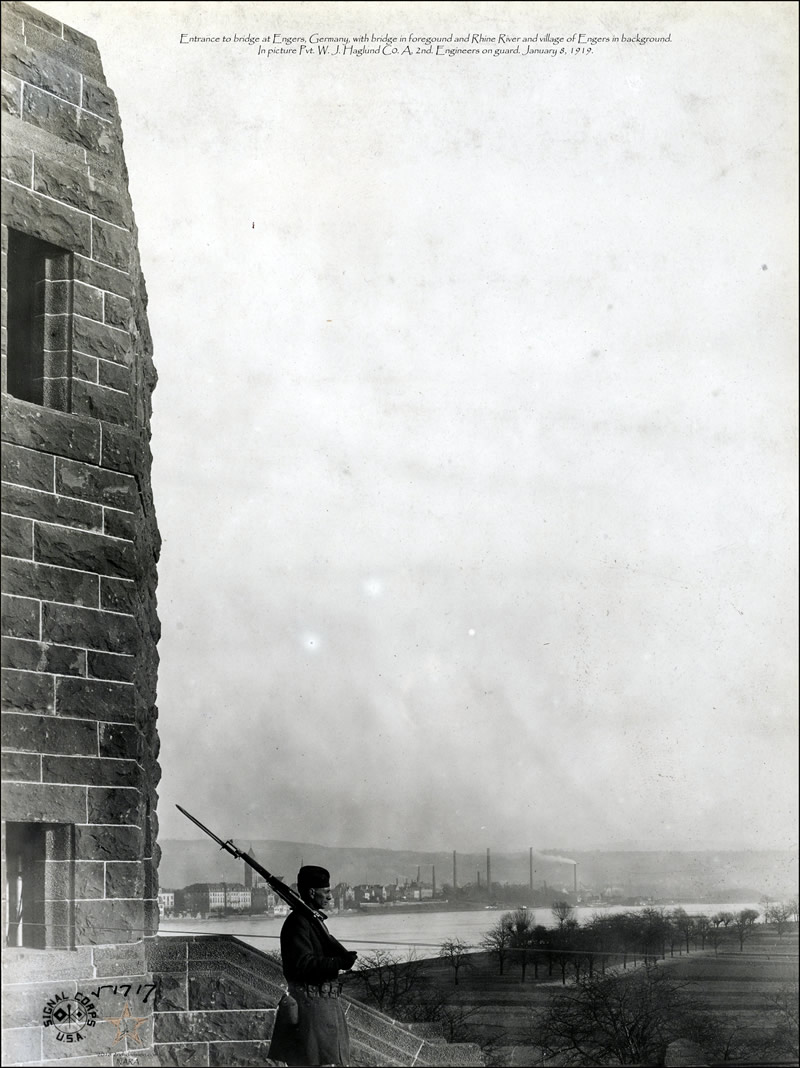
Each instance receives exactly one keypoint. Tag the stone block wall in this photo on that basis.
(80, 546)
(215, 1002)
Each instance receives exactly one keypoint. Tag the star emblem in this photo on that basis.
(126, 1024)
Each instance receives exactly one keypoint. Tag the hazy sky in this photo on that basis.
(475, 428)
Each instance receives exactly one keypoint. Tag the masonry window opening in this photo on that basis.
(40, 885)
(39, 368)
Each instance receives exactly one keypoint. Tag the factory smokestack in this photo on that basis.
(530, 865)
(433, 880)
(575, 877)
(455, 879)
(489, 874)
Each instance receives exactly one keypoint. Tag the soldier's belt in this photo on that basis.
(318, 990)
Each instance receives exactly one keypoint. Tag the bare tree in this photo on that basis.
(389, 982)
(601, 931)
(715, 936)
(743, 924)
(403, 990)
(453, 1017)
(456, 953)
(614, 1019)
(627, 931)
(562, 911)
(784, 1004)
(564, 941)
(543, 942)
(631, 1019)
(702, 925)
(653, 926)
(780, 916)
(521, 927)
(499, 940)
(684, 924)
(673, 936)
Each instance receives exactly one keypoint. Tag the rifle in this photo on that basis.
(292, 899)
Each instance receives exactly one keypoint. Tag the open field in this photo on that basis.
(736, 987)
(740, 988)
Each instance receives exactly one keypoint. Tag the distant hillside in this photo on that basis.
(701, 874)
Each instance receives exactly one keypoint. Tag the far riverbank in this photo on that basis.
(419, 933)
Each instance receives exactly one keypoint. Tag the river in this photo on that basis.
(404, 933)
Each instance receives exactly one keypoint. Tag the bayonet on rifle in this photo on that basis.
(292, 899)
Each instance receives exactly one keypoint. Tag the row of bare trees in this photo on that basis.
(610, 1016)
(621, 938)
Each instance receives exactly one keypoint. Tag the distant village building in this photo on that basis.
(202, 898)
(166, 901)
(369, 892)
(193, 900)
(343, 896)
(262, 899)
(229, 896)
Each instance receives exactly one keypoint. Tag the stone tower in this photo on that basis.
(80, 546)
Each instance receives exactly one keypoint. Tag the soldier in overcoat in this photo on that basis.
(310, 1027)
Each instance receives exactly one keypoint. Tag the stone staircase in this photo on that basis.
(216, 1002)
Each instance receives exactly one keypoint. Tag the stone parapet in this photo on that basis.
(216, 1002)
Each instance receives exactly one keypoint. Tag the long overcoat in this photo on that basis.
(312, 960)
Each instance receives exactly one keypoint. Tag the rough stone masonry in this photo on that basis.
(80, 546)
